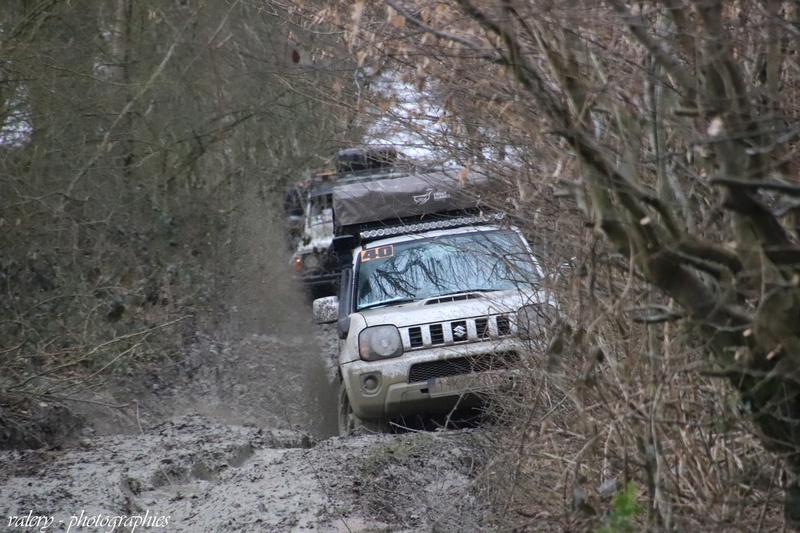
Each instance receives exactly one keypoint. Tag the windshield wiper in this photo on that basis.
(388, 303)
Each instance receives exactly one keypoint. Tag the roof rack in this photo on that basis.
(440, 223)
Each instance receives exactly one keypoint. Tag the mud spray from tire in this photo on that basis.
(239, 435)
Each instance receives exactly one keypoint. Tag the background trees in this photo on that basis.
(138, 138)
(673, 128)
(139, 143)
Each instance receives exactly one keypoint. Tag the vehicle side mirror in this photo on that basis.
(326, 310)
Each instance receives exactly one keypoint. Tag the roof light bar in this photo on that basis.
(434, 224)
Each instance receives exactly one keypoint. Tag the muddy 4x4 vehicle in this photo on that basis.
(308, 207)
(435, 307)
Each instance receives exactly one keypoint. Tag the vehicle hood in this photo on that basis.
(435, 310)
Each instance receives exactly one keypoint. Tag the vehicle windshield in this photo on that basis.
(319, 203)
(444, 265)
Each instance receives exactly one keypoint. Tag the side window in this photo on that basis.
(320, 203)
(293, 203)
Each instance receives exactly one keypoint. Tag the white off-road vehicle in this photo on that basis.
(435, 308)
(309, 214)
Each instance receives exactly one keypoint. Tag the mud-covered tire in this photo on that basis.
(350, 424)
(346, 417)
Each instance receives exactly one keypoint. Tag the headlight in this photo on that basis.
(306, 262)
(380, 342)
(311, 261)
(533, 320)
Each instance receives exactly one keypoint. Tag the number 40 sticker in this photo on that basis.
(381, 252)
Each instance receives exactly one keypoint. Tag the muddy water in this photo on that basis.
(261, 361)
(276, 382)
(270, 364)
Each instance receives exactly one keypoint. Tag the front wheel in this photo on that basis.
(349, 423)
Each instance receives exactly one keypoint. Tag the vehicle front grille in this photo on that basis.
(415, 337)
(503, 325)
(462, 365)
(482, 328)
(437, 334)
(456, 332)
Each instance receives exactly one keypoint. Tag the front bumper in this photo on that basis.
(442, 378)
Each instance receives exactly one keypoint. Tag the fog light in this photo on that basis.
(371, 382)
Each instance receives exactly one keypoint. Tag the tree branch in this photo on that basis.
(427, 28)
(785, 188)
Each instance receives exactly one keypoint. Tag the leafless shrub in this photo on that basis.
(622, 401)
(670, 127)
(132, 134)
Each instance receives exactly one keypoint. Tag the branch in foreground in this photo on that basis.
(785, 188)
(94, 350)
(654, 314)
(482, 53)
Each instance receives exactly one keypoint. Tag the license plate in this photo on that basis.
(464, 383)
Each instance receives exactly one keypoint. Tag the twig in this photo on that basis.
(775, 473)
(81, 400)
(475, 47)
(786, 188)
(17, 347)
(94, 350)
(662, 314)
(125, 110)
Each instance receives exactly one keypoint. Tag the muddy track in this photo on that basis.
(239, 437)
(207, 476)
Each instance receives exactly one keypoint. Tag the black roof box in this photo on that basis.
(395, 196)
